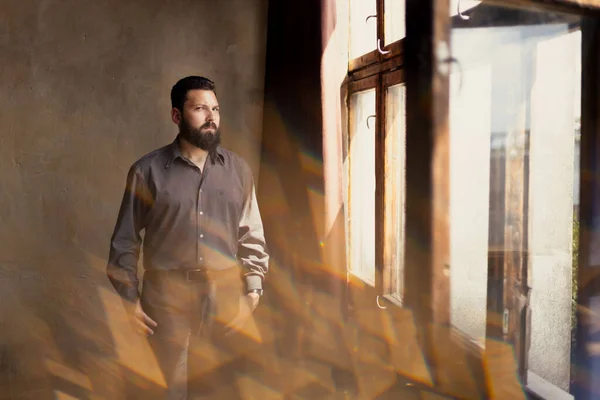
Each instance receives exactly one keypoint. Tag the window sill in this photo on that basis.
(542, 389)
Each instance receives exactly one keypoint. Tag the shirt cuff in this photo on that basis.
(253, 282)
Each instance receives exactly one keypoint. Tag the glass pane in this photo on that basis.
(514, 113)
(363, 33)
(362, 185)
(394, 23)
(395, 151)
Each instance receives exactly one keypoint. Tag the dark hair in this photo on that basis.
(184, 85)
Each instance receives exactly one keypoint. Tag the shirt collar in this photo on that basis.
(175, 152)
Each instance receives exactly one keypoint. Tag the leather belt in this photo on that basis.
(190, 275)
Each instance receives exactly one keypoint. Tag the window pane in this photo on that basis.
(514, 108)
(363, 34)
(395, 150)
(394, 20)
(362, 185)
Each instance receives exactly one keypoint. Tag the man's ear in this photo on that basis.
(176, 116)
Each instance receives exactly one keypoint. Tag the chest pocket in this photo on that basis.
(229, 202)
(175, 196)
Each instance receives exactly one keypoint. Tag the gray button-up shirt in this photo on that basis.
(191, 219)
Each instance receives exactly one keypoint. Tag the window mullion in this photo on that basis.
(381, 22)
(379, 185)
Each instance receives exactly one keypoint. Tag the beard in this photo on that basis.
(200, 137)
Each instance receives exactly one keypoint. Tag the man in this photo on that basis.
(204, 248)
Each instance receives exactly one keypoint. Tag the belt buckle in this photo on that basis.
(195, 275)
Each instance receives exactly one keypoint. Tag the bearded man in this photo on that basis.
(204, 255)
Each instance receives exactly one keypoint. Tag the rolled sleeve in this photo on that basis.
(252, 251)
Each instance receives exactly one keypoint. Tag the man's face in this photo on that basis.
(200, 119)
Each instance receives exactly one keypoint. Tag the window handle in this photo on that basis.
(368, 118)
(460, 14)
(379, 304)
(379, 48)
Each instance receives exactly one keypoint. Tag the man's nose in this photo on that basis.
(210, 116)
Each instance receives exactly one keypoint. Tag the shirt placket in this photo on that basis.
(200, 225)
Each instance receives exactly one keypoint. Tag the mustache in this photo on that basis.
(209, 125)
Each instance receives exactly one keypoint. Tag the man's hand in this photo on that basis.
(248, 304)
(142, 322)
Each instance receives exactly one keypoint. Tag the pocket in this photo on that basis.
(229, 203)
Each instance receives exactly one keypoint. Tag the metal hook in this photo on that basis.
(453, 60)
(369, 117)
(379, 48)
(460, 14)
(379, 305)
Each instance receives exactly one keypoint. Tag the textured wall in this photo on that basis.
(85, 92)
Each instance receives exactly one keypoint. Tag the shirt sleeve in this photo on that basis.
(126, 240)
(251, 243)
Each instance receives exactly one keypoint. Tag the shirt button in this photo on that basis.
(201, 236)
(201, 213)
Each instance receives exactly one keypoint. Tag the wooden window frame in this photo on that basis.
(372, 82)
(374, 57)
(426, 266)
(389, 276)
(378, 71)
(379, 77)
(364, 70)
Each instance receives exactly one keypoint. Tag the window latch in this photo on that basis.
(379, 49)
(368, 118)
(460, 14)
